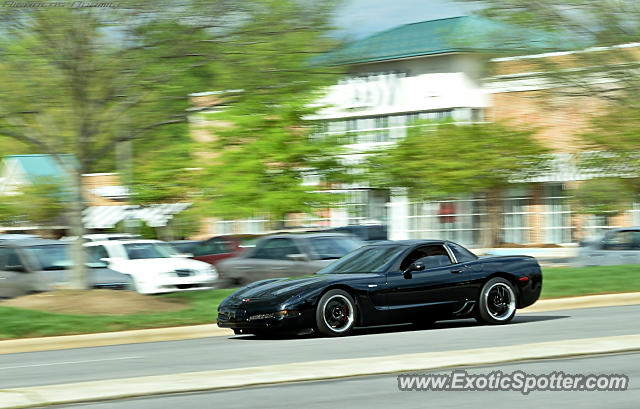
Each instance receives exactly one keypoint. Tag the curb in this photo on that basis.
(307, 371)
(112, 338)
(212, 330)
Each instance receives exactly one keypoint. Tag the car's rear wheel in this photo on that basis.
(497, 304)
(335, 313)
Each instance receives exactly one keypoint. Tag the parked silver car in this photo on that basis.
(620, 246)
(35, 265)
(286, 255)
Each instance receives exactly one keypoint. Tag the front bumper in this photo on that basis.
(242, 318)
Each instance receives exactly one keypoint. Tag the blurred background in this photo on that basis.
(495, 124)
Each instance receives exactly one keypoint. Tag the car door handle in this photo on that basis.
(278, 268)
(456, 271)
(243, 268)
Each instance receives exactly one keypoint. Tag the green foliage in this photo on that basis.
(579, 24)
(262, 162)
(438, 161)
(615, 135)
(185, 224)
(40, 203)
(604, 196)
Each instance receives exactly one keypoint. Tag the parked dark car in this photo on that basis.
(185, 246)
(415, 281)
(288, 254)
(35, 265)
(216, 248)
(374, 232)
(619, 246)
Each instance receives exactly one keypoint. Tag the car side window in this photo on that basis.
(96, 253)
(10, 261)
(431, 256)
(620, 240)
(276, 249)
(462, 255)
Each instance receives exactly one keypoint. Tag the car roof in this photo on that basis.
(307, 235)
(412, 242)
(31, 242)
(123, 241)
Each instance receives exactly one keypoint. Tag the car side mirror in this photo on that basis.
(413, 267)
(297, 257)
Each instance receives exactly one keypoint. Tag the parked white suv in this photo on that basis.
(154, 265)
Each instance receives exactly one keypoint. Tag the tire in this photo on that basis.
(497, 303)
(335, 313)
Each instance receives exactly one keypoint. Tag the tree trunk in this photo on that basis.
(75, 209)
(493, 223)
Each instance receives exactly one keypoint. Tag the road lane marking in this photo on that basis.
(71, 362)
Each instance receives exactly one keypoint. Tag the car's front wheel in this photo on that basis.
(335, 313)
(497, 304)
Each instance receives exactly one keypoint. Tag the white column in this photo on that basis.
(398, 210)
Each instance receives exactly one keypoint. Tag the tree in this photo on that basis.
(81, 80)
(602, 196)
(262, 165)
(438, 161)
(614, 145)
(607, 71)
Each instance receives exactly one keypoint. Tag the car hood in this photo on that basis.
(287, 287)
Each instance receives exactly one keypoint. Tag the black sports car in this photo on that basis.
(415, 281)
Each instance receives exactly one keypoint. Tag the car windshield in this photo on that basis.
(50, 257)
(327, 248)
(137, 251)
(368, 259)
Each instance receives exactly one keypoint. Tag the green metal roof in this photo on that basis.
(455, 34)
(38, 167)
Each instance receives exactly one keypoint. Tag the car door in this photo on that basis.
(432, 291)
(269, 260)
(15, 280)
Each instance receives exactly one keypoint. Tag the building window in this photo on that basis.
(557, 227)
(515, 227)
(459, 220)
(382, 128)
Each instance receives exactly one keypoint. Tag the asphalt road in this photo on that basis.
(381, 392)
(113, 362)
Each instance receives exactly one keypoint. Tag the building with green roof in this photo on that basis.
(431, 70)
(460, 34)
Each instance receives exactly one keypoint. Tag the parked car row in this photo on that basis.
(122, 261)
